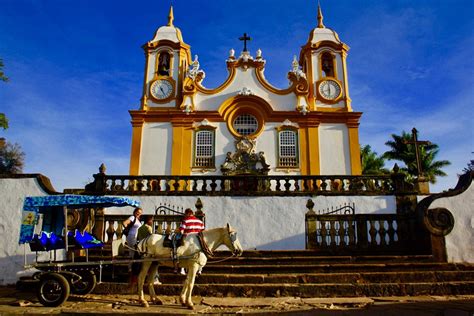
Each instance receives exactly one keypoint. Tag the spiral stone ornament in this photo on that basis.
(439, 221)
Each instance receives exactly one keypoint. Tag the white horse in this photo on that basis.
(190, 256)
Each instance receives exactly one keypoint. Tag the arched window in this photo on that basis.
(204, 149)
(164, 61)
(288, 149)
(327, 65)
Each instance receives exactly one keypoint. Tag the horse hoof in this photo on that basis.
(191, 307)
(145, 304)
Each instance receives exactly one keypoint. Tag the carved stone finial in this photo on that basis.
(259, 53)
(102, 168)
(170, 17)
(320, 17)
(231, 53)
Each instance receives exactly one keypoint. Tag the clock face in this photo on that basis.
(329, 89)
(161, 89)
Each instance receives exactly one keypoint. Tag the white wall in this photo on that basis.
(12, 193)
(266, 222)
(460, 242)
(334, 142)
(156, 151)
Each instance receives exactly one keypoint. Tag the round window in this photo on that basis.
(245, 124)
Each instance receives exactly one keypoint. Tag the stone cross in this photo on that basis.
(245, 38)
(417, 144)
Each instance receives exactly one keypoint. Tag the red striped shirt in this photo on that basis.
(191, 224)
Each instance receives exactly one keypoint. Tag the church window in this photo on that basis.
(245, 124)
(164, 61)
(288, 149)
(204, 149)
(327, 65)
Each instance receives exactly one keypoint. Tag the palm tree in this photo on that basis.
(371, 162)
(405, 152)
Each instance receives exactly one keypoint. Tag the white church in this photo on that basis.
(308, 128)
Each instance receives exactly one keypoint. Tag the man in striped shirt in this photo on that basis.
(190, 225)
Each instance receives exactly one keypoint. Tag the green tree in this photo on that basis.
(371, 162)
(402, 151)
(3, 118)
(3, 77)
(11, 158)
(469, 168)
(3, 121)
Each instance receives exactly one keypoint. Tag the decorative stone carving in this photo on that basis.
(245, 91)
(245, 161)
(296, 69)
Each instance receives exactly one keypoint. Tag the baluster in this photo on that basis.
(324, 236)
(372, 233)
(323, 185)
(351, 232)
(391, 232)
(382, 232)
(287, 184)
(332, 233)
(213, 185)
(110, 231)
(342, 233)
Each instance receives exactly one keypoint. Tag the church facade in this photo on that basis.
(245, 125)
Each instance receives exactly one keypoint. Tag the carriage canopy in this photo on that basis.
(52, 206)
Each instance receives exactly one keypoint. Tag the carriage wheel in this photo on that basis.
(85, 285)
(53, 290)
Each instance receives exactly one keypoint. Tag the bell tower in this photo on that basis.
(167, 60)
(323, 59)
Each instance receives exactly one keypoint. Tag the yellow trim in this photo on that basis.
(309, 142)
(346, 82)
(354, 146)
(136, 148)
(181, 150)
(224, 85)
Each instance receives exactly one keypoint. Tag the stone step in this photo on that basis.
(318, 278)
(304, 290)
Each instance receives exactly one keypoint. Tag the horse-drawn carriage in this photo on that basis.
(44, 227)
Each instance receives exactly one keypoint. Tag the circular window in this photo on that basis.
(245, 124)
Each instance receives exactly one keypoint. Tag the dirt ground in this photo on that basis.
(13, 302)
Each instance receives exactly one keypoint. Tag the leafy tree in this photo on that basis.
(3, 77)
(371, 162)
(11, 158)
(402, 151)
(470, 167)
(3, 121)
(3, 118)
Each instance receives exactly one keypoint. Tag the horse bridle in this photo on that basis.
(233, 239)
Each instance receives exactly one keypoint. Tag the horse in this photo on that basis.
(191, 255)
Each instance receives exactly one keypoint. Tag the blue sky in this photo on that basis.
(76, 68)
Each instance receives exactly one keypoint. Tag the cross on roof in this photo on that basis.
(417, 144)
(245, 38)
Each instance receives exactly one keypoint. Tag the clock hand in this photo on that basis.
(161, 88)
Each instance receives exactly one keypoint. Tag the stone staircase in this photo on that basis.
(305, 274)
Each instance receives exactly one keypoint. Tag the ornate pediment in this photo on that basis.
(245, 161)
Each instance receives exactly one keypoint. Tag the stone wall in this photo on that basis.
(12, 193)
(263, 223)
